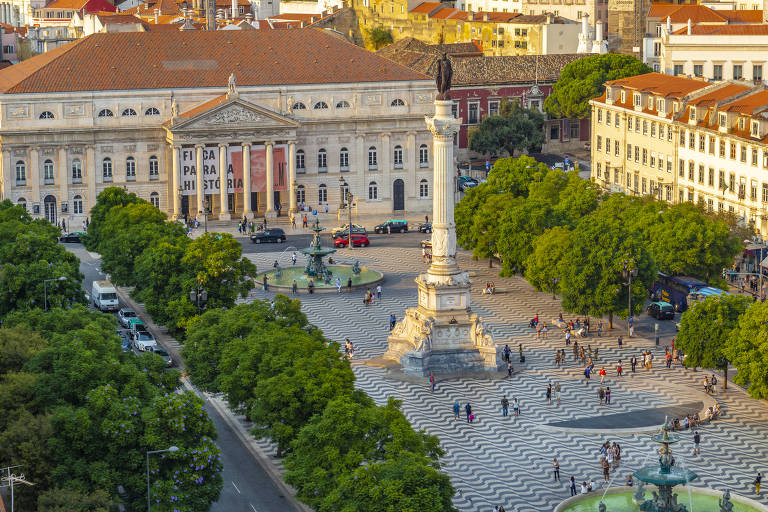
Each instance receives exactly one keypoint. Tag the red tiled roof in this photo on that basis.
(660, 84)
(682, 13)
(748, 104)
(745, 16)
(193, 58)
(449, 13)
(10, 28)
(726, 91)
(306, 17)
(725, 30)
(426, 7)
(205, 106)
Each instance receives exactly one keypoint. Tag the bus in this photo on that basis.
(676, 289)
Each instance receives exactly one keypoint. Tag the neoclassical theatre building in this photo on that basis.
(235, 121)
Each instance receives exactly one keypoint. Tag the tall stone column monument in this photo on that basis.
(441, 333)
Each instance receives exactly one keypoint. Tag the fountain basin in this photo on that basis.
(655, 475)
(619, 499)
(365, 279)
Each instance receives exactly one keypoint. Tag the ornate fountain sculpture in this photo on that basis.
(664, 477)
(315, 266)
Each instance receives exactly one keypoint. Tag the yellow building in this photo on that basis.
(498, 33)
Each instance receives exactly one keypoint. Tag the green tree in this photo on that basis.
(515, 175)
(105, 201)
(17, 346)
(747, 349)
(584, 79)
(515, 128)
(379, 37)
(67, 500)
(706, 328)
(465, 213)
(25, 442)
(160, 279)
(544, 266)
(521, 223)
(485, 231)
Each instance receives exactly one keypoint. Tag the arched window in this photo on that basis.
(373, 163)
(342, 104)
(151, 111)
(322, 161)
(299, 106)
(322, 194)
(48, 172)
(344, 192)
(77, 205)
(106, 168)
(397, 102)
(300, 160)
(49, 208)
(130, 169)
(154, 198)
(398, 157)
(154, 168)
(22, 202)
(105, 112)
(373, 191)
(47, 115)
(320, 105)
(344, 159)
(300, 194)
(21, 172)
(423, 189)
(128, 112)
(423, 156)
(77, 171)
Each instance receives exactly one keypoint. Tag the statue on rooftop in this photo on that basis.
(443, 78)
(232, 84)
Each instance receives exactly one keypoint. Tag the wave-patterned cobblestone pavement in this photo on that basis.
(507, 461)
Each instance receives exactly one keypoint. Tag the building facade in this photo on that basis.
(680, 139)
(323, 115)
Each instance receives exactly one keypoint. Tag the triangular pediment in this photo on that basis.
(230, 113)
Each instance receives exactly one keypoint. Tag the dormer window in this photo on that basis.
(742, 123)
(693, 114)
(637, 100)
(650, 102)
(608, 93)
(660, 105)
(755, 129)
(723, 120)
(675, 107)
(623, 96)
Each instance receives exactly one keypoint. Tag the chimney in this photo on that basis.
(585, 24)
(234, 9)
(157, 16)
(599, 31)
(669, 25)
(486, 16)
(689, 26)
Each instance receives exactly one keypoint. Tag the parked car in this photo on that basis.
(163, 353)
(143, 341)
(269, 235)
(124, 316)
(661, 310)
(392, 226)
(126, 344)
(344, 230)
(425, 227)
(135, 323)
(72, 238)
(466, 182)
(357, 241)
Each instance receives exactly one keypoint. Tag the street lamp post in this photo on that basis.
(172, 449)
(348, 198)
(628, 273)
(205, 211)
(199, 296)
(45, 290)
(554, 280)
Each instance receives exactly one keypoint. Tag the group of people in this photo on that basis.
(369, 296)
(349, 349)
(490, 288)
(710, 384)
(245, 226)
(304, 221)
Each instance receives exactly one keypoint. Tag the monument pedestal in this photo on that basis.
(441, 334)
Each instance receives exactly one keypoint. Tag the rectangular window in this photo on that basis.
(599, 169)
(653, 129)
(757, 72)
(743, 154)
(711, 145)
(474, 109)
(765, 159)
(554, 134)
(656, 49)
(608, 117)
(645, 127)
(737, 72)
(691, 141)
(701, 174)
(753, 192)
(599, 115)
(645, 188)
(576, 129)
(732, 150)
(669, 164)
(721, 181)
(669, 134)
(607, 146)
(710, 205)
(599, 143)
(717, 72)
(691, 171)
(616, 119)
(698, 70)
(616, 148)
(629, 151)
(637, 154)
(702, 143)
(645, 156)
(493, 108)
(629, 123)
(455, 110)
(732, 183)
(653, 159)
(690, 196)
(765, 192)
(682, 138)
(722, 149)
(681, 169)
(661, 131)
(678, 69)
(711, 180)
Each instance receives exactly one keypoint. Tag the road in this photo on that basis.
(247, 486)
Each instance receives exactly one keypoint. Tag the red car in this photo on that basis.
(357, 241)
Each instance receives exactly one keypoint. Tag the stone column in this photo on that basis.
(362, 162)
(176, 181)
(292, 176)
(9, 175)
(223, 193)
(63, 183)
(199, 178)
(34, 176)
(443, 126)
(387, 163)
(89, 167)
(411, 163)
(246, 179)
(270, 172)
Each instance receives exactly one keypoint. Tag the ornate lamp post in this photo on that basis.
(172, 449)
(554, 282)
(45, 290)
(199, 297)
(628, 273)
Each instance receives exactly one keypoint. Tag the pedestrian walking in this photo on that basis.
(295, 288)
(572, 486)
(264, 281)
(557, 392)
(392, 321)
(602, 375)
(620, 341)
(349, 284)
(606, 469)
(304, 221)
(586, 375)
(601, 395)
(506, 353)
(556, 469)
(706, 384)
(432, 380)
(520, 349)
(549, 394)
(293, 258)
(599, 327)
(756, 483)
(468, 410)
(713, 384)
(633, 363)
(619, 369)
(293, 221)
(456, 410)
(696, 442)
(516, 406)
(568, 337)
(509, 369)
(311, 286)
(378, 292)
(504, 406)
(608, 395)
(338, 286)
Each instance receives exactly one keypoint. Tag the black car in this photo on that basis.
(425, 227)
(71, 238)
(269, 235)
(392, 226)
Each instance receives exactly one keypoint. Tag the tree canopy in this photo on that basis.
(514, 128)
(747, 349)
(584, 79)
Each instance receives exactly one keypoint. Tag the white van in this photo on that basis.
(104, 296)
